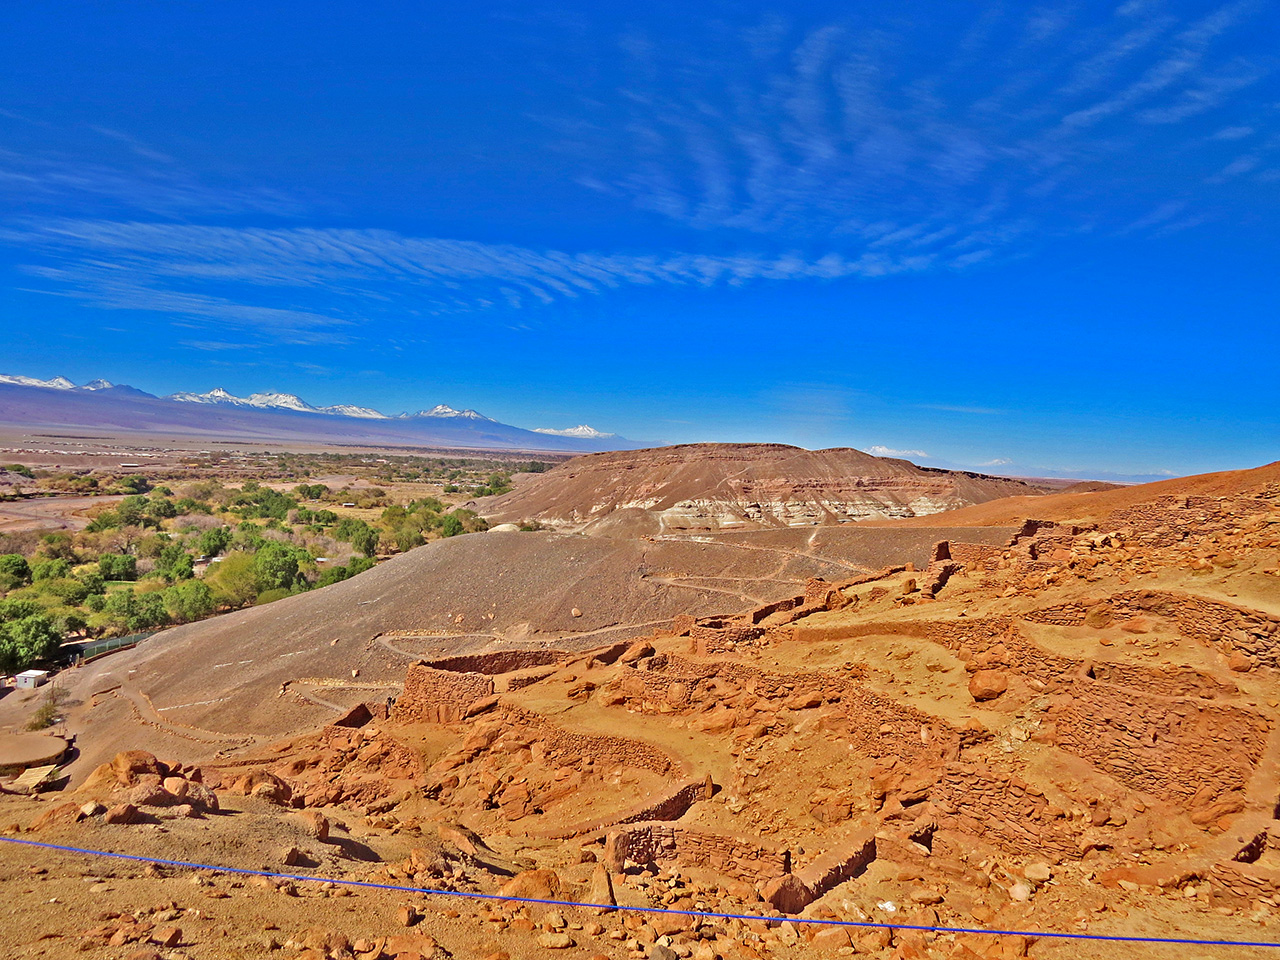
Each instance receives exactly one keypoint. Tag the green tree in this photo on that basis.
(276, 566)
(14, 571)
(233, 580)
(213, 541)
(366, 541)
(118, 566)
(451, 526)
(174, 563)
(50, 569)
(26, 639)
(189, 601)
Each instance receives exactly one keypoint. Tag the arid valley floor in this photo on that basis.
(1051, 712)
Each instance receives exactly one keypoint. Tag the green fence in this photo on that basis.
(97, 647)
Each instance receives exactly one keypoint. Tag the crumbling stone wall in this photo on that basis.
(975, 556)
(681, 683)
(500, 661)
(743, 858)
(1174, 749)
(1001, 809)
(1253, 632)
(1236, 883)
(563, 744)
(716, 635)
(834, 867)
(1166, 520)
(669, 804)
(439, 696)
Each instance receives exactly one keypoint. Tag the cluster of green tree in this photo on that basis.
(497, 484)
(138, 564)
(27, 634)
(411, 525)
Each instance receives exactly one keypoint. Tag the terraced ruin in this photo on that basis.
(1061, 725)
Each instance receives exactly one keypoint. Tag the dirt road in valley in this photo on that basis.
(49, 513)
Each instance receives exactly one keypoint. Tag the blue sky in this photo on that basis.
(1016, 236)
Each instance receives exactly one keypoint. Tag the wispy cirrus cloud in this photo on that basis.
(175, 269)
(832, 135)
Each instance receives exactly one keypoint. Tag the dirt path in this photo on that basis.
(49, 513)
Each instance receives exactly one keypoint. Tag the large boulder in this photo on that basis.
(787, 893)
(131, 764)
(988, 684)
(533, 885)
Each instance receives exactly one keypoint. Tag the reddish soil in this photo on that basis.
(1063, 726)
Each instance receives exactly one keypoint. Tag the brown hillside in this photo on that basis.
(719, 486)
(1095, 505)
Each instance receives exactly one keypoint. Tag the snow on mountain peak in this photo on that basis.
(582, 432)
(55, 383)
(276, 400)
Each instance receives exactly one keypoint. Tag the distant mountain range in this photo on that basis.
(30, 401)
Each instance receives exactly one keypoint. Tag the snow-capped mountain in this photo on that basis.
(581, 431)
(444, 410)
(272, 400)
(101, 401)
(439, 417)
(57, 383)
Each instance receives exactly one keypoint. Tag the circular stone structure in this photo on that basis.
(18, 751)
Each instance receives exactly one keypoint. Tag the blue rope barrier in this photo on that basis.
(700, 914)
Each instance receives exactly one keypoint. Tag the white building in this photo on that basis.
(30, 679)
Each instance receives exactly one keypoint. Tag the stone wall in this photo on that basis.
(561, 744)
(438, 696)
(1236, 884)
(500, 661)
(975, 556)
(743, 858)
(1174, 749)
(1001, 809)
(1166, 520)
(670, 804)
(836, 866)
(1253, 632)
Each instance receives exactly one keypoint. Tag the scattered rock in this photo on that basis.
(167, 936)
(533, 884)
(1038, 872)
(556, 941)
(291, 856)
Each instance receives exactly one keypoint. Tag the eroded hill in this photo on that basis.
(726, 486)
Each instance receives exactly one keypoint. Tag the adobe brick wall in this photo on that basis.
(743, 858)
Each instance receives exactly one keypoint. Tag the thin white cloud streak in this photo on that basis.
(879, 451)
(166, 268)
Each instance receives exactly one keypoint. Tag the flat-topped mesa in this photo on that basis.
(706, 487)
